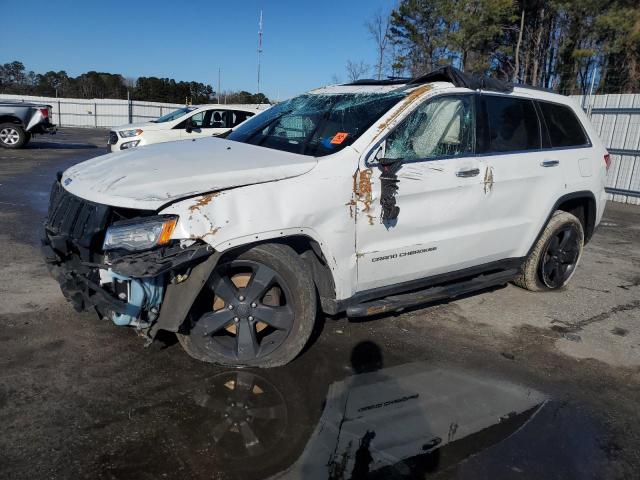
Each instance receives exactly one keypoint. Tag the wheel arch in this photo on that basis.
(11, 119)
(310, 250)
(582, 204)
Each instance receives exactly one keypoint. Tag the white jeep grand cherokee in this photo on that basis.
(363, 198)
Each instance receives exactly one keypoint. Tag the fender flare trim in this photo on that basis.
(179, 297)
(587, 194)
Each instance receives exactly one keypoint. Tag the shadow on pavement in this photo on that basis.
(35, 145)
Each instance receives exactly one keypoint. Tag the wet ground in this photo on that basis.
(501, 384)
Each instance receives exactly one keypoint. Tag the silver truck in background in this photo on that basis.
(20, 120)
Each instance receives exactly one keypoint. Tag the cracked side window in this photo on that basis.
(441, 127)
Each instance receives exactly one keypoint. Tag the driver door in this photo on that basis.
(440, 224)
(200, 126)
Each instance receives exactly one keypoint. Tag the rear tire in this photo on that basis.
(13, 136)
(257, 309)
(555, 256)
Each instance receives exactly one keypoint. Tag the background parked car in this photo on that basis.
(18, 120)
(182, 124)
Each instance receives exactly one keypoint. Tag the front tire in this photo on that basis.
(257, 309)
(555, 256)
(13, 136)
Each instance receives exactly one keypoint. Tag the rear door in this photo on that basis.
(571, 146)
(523, 174)
(439, 196)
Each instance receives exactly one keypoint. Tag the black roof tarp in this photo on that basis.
(462, 79)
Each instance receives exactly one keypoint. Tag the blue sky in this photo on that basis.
(305, 42)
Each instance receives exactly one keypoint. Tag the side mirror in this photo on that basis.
(188, 126)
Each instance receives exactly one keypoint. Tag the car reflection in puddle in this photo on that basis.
(408, 421)
(394, 422)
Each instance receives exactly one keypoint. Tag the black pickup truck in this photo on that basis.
(19, 120)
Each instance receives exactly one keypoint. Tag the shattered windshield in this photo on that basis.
(173, 115)
(316, 125)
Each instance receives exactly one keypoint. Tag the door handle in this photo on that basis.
(550, 163)
(474, 172)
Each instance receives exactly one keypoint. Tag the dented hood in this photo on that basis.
(151, 176)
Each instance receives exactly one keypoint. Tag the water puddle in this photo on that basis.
(408, 421)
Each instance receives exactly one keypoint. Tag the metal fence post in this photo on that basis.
(129, 107)
(59, 115)
(95, 114)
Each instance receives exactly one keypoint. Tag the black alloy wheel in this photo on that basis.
(560, 257)
(256, 309)
(250, 317)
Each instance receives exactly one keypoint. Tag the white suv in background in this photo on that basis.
(182, 124)
(363, 198)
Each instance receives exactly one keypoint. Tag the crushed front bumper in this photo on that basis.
(129, 288)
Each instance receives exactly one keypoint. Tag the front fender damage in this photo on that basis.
(163, 285)
(180, 295)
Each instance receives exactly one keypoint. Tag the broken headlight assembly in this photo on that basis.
(140, 234)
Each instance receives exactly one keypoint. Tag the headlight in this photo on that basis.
(130, 133)
(140, 234)
(127, 145)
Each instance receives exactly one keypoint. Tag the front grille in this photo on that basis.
(75, 218)
(113, 138)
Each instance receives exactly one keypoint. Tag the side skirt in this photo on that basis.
(396, 303)
(446, 281)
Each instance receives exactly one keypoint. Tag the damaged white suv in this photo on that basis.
(363, 198)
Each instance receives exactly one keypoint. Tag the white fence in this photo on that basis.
(616, 118)
(78, 112)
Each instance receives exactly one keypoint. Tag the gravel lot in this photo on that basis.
(82, 398)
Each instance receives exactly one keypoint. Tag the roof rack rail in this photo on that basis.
(531, 87)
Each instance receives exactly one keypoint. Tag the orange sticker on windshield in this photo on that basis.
(338, 138)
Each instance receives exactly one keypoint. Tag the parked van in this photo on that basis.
(184, 123)
(362, 198)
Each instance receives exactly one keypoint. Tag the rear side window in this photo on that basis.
(239, 117)
(565, 130)
(513, 124)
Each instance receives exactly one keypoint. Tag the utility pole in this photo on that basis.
(219, 92)
(259, 48)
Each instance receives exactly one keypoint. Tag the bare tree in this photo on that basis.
(378, 27)
(356, 70)
(130, 82)
(516, 70)
(335, 79)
